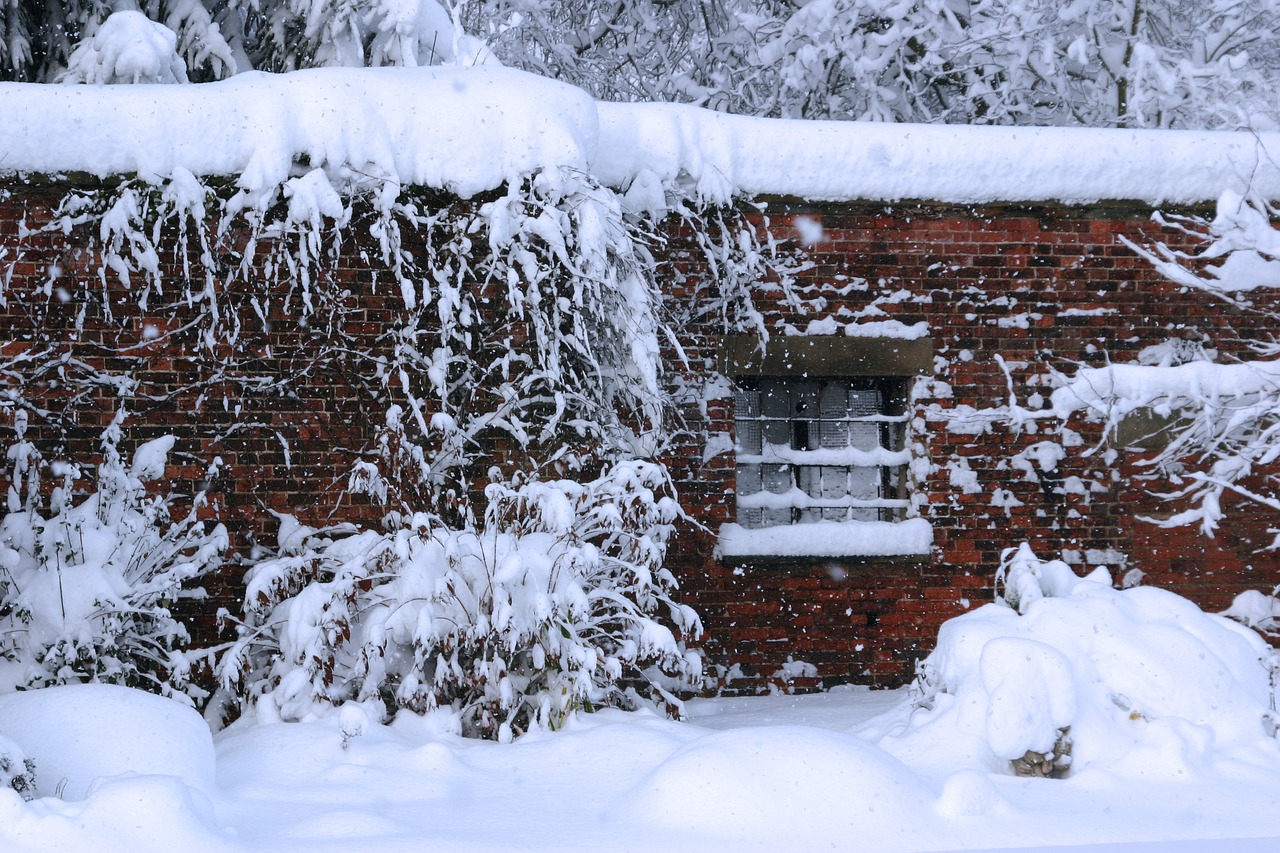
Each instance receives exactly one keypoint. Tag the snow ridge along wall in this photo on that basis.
(460, 130)
(467, 130)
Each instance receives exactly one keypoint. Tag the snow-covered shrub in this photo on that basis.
(38, 39)
(1136, 681)
(17, 772)
(85, 589)
(127, 47)
(1257, 610)
(1024, 578)
(353, 33)
(559, 602)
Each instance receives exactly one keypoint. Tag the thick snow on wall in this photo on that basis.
(458, 129)
(471, 129)
(873, 161)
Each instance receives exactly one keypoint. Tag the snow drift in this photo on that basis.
(78, 734)
(1168, 709)
(1139, 683)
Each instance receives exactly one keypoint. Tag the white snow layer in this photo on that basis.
(464, 130)
(1118, 389)
(829, 539)
(82, 733)
(837, 161)
(471, 129)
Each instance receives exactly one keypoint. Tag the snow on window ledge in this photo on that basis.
(910, 538)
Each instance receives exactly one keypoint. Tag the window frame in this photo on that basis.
(888, 364)
(807, 441)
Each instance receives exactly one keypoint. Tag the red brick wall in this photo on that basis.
(309, 405)
(989, 281)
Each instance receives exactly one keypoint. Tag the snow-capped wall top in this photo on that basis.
(471, 129)
(465, 130)
(845, 161)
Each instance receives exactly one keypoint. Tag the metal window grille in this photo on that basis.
(820, 450)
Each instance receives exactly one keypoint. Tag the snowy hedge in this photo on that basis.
(558, 602)
(86, 589)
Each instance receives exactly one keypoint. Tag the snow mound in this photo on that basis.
(78, 734)
(1139, 682)
(774, 780)
(123, 815)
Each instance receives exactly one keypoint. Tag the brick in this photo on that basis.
(961, 269)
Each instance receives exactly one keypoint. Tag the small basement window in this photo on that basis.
(820, 450)
(821, 447)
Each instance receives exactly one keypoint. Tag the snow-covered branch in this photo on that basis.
(1218, 423)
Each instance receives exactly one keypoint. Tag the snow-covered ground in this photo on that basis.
(1169, 711)
(766, 773)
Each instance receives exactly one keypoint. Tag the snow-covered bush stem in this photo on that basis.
(17, 772)
(558, 602)
(86, 589)
(743, 259)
